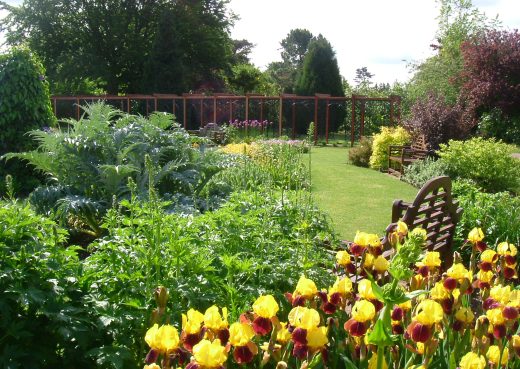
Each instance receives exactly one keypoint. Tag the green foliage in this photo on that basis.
(502, 127)
(487, 162)
(24, 105)
(245, 78)
(40, 294)
(114, 43)
(320, 71)
(256, 243)
(458, 21)
(269, 165)
(497, 214)
(91, 161)
(418, 173)
(360, 155)
(388, 136)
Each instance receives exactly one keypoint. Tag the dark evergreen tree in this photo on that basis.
(320, 74)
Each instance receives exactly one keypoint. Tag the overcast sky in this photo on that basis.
(382, 35)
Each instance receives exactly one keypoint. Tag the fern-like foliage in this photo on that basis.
(88, 163)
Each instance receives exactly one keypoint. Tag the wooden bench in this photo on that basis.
(401, 156)
(435, 211)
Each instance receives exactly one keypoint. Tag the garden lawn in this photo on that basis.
(355, 198)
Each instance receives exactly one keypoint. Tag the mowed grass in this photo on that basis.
(355, 198)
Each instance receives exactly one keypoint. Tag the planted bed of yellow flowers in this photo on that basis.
(407, 310)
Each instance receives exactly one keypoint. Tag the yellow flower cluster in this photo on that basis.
(449, 306)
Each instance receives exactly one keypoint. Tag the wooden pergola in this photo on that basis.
(208, 105)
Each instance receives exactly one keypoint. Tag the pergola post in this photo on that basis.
(353, 120)
(293, 119)
(201, 112)
(327, 116)
(214, 109)
(280, 115)
(184, 111)
(247, 115)
(362, 118)
(315, 119)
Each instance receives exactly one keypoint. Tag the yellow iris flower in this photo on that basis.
(363, 311)
(343, 258)
(306, 288)
(317, 338)
(341, 286)
(240, 334)
(493, 355)
(457, 271)
(429, 312)
(495, 316)
(192, 321)
(266, 306)
(488, 256)
(431, 260)
(163, 339)
(505, 248)
(472, 361)
(501, 294)
(365, 290)
(439, 292)
(209, 354)
(464, 315)
(283, 336)
(302, 317)
(213, 319)
(381, 264)
(476, 235)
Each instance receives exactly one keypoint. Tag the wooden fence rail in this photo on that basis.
(210, 108)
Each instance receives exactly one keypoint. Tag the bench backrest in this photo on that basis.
(434, 210)
(419, 143)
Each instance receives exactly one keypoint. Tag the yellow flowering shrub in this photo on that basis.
(388, 136)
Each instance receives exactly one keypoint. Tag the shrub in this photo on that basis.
(491, 74)
(487, 162)
(497, 214)
(44, 321)
(90, 161)
(388, 136)
(436, 120)
(502, 127)
(360, 155)
(24, 105)
(418, 173)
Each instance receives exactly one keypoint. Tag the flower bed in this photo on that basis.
(378, 314)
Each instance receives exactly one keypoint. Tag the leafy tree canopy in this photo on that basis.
(294, 48)
(112, 43)
(458, 20)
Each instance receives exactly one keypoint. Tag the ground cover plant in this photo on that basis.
(393, 317)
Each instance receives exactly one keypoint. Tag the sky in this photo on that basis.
(382, 35)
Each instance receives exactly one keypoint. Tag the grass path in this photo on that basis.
(355, 198)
